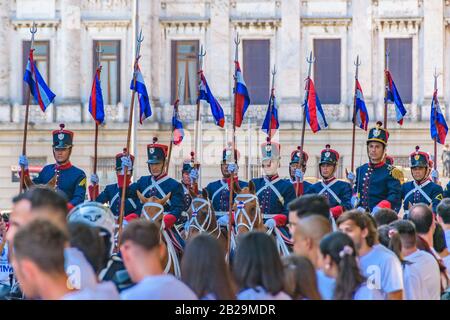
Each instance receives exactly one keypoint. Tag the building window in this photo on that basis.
(400, 66)
(106, 170)
(110, 75)
(41, 56)
(185, 68)
(327, 70)
(257, 69)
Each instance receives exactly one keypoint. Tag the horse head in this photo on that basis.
(153, 207)
(201, 215)
(247, 214)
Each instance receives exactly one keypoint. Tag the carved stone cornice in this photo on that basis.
(184, 22)
(28, 23)
(411, 24)
(105, 23)
(326, 21)
(270, 22)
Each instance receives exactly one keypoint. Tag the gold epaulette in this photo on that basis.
(396, 173)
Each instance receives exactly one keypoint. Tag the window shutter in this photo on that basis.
(400, 66)
(327, 70)
(256, 70)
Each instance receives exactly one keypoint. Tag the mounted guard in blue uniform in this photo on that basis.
(297, 171)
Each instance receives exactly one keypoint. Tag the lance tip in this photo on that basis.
(155, 139)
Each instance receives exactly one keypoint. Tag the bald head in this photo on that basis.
(422, 217)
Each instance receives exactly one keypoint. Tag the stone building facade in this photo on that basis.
(272, 32)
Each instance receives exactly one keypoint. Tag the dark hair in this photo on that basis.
(407, 232)
(42, 197)
(257, 263)
(363, 221)
(300, 279)
(88, 240)
(43, 243)
(390, 238)
(341, 249)
(310, 204)
(385, 216)
(204, 270)
(439, 242)
(422, 217)
(143, 233)
(443, 210)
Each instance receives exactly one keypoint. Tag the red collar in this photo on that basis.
(271, 178)
(160, 176)
(64, 166)
(376, 166)
(423, 181)
(329, 180)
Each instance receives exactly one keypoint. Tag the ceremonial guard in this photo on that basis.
(422, 189)
(274, 193)
(218, 191)
(297, 171)
(338, 193)
(186, 182)
(158, 184)
(112, 192)
(66, 177)
(377, 183)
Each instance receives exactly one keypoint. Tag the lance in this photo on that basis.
(139, 40)
(357, 63)
(94, 190)
(175, 114)
(435, 75)
(33, 31)
(310, 60)
(272, 102)
(386, 89)
(237, 41)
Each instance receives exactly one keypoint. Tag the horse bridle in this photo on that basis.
(160, 212)
(194, 223)
(249, 224)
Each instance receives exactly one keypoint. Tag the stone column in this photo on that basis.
(4, 57)
(69, 69)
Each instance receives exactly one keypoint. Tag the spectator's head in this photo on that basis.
(257, 263)
(385, 216)
(88, 240)
(308, 204)
(38, 201)
(339, 257)
(300, 280)
(390, 238)
(38, 259)
(443, 212)
(422, 217)
(203, 260)
(439, 242)
(307, 235)
(360, 227)
(141, 249)
(407, 233)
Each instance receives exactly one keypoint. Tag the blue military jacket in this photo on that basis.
(149, 186)
(70, 180)
(219, 194)
(375, 183)
(427, 192)
(274, 195)
(339, 193)
(305, 184)
(112, 194)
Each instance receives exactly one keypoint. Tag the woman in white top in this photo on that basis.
(257, 268)
(339, 257)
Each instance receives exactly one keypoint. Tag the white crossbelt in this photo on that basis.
(327, 188)
(419, 188)
(155, 184)
(270, 184)
(224, 186)
(114, 199)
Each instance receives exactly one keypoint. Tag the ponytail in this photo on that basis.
(349, 278)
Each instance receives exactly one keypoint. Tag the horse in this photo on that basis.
(202, 218)
(153, 210)
(248, 217)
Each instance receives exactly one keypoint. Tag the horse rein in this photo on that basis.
(194, 223)
(249, 224)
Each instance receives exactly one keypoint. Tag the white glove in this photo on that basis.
(223, 221)
(298, 173)
(375, 210)
(232, 167)
(351, 177)
(354, 201)
(94, 178)
(361, 209)
(270, 224)
(23, 161)
(434, 174)
(126, 162)
(186, 225)
(193, 174)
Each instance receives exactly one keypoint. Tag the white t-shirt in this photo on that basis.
(5, 266)
(382, 269)
(447, 264)
(259, 293)
(447, 238)
(102, 291)
(422, 277)
(364, 293)
(159, 287)
(78, 269)
(325, 285)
